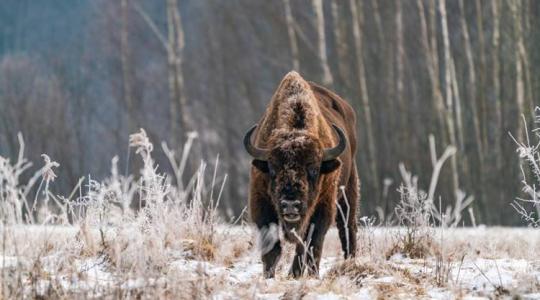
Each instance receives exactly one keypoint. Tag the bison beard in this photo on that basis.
(303, 150)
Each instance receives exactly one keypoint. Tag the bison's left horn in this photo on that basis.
(257, 153)
(333, 153)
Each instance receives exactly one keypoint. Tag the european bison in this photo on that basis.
(303, 151)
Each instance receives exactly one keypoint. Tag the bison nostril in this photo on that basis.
(290, 206)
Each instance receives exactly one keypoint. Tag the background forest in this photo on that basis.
(78, 76)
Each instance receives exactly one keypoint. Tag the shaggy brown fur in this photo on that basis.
(296, 128)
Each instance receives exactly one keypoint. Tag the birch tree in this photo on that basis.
(289, 21)
(495, 69)
(518, 61)
(341, 40)
(400, 65)
(364, 96)
(125, 61)
(482, 71)
(179, 115)
(429, 42)
(327, 78)
(174, 47)
(471, 87)
(449, 93)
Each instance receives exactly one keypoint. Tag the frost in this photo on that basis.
(97, 242)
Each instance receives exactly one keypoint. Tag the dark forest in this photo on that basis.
(77, 77)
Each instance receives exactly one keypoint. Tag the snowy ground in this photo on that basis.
(472, 264)
(174, 248)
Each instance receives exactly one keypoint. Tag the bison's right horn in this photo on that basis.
(257, 153)
(333, 153)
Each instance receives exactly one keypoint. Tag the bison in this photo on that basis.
(303, 151)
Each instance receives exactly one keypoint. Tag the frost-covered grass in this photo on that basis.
(528, 149)
(152, 235)
(482, 262)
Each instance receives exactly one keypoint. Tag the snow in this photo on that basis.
(486, 275)
(483, 273)
(12, 261)
(440, 294)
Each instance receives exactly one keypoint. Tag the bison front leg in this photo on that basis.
(308, 253)
(270, 249)
(265, 217)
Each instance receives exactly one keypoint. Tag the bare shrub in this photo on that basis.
(16, 204)
(414, 213)
(418, 213)
(528, 206)
(126, 228)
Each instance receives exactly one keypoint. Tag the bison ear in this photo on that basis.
(261, 165)
(330, 166)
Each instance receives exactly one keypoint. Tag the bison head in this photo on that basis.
(294, 165)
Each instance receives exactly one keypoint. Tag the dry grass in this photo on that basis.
(96, 228)
(150, 235)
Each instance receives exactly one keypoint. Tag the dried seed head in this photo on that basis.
(140, 141)
(48, 173)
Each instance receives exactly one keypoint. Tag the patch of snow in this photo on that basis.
(487, 275)
(269, 296)
(245, 271)
(440, 294)
(326, 264)
(12, 261)
(533, 296)
(386, 279)
(325, 296)
(363, 294)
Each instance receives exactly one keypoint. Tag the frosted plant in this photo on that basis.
(418, 211)
(414, 208)
(452, 215)
(48, 176)
(15, 205)
(529, 154)
(48, 172)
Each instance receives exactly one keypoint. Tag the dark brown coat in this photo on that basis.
(294, 132)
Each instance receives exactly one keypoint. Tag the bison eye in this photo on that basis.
(271, 172)
(312, 173)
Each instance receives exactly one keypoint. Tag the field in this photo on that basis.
(430, 107)
(158, 237)
(65, 262)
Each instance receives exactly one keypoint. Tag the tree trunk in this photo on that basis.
(323, 57)
(524, 57)
(482, 73)
(472, 81)
(449, 95)
(400, 64)
(180, 44)
(518, 59)
(125, 61)
(289, 20)
(496, 97)
(175, 50)
(432, 67)
(357, 35)
(341, 42)
(173, 87)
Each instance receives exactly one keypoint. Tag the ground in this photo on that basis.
(468, 263)
(177, 245)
